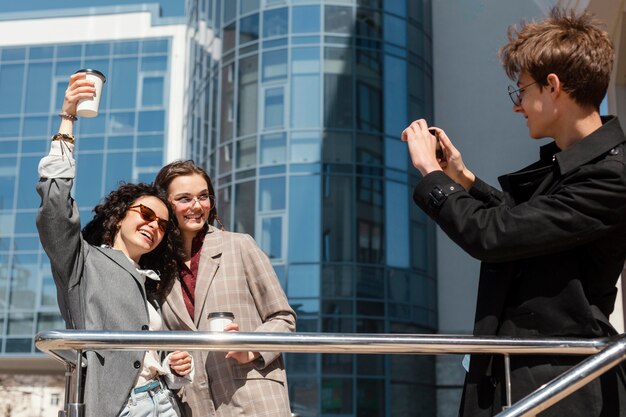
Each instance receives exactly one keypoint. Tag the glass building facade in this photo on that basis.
(124, 143)
(296, 108)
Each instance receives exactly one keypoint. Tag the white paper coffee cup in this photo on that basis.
(218, 320)
(89, 107)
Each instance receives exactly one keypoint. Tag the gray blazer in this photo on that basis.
(97, 288)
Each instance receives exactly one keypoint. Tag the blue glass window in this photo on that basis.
(101, 65)
(305, 60)
(275, 22)
(152, 91)
(338, 19)
(248, 6)
(120, 142)
(397, 234)
(126, 48)
(274, 108)
(273, 149)
(20, 324)
(244, 207)
(92, 125)
(18, 345)
(271, 236)
(38, 86)
(13, 54)
(303, 281)
(8, 147)
(150, 141)
(123, 83)
(25, 222)
(155, 46)
(69, 51)
(11, 78)
(38, 146)
(395, 30)
(229, 37)
(272, 194)
(9, 127)
(275, 65)
(246, 153)
(41, 52)
(150, 159)
(7, 222)
(119, 167)
(249, 29)
(229, 10)
(154, 63)
(305, 113)
(396, 155)
(97, 49)
(305, 19)
(88, 184)
(27, 178)
(152, 121)
(395, 92)
(121, 122)
(304, 219)
(396, 6)
(25, 273)
(305, 147)
(8, 170)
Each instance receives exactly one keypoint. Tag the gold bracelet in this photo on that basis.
(66, 115)
(65, 137)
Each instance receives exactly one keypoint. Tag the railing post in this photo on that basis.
(77, 408)
(507, 380)
(68, 387)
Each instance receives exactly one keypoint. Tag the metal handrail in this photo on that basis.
(608, 352)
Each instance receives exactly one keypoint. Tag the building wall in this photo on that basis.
(128, 141)
(298, 122)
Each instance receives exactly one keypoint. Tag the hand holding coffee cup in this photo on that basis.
(89, 107)
(219, 319)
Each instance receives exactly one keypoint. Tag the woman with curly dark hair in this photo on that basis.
(111, 276)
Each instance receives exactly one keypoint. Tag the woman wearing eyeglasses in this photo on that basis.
(112, 276)
(224, 272)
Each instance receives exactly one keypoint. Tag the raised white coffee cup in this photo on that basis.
(219, 319)
(89, 107)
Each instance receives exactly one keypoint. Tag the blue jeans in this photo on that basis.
(157, 402)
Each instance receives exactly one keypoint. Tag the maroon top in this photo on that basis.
(189, 275)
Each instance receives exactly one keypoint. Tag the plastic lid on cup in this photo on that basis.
(93, 71)
(221, 315)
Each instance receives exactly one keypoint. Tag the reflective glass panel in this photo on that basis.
(248, 91)
(305, 19)
(337, 396)
(272, 194)
(395, 92)
(88, 185)
(121, 122)
(151, 121)
(20, 324)
(154, 63)
(126, 48)
(119, 167)
(395, 30)
(338, 218)
(305, 101)
(305, 60)
(9, 127)
(249, 29)
(246, 153)
(25, 223)
(303, 281)
(244, 207)
(27, 178)
(49, 321)
(275, 65)
(338, 19)
(97, 49)
(305, 147)
(25, 274)
(152, 91)
(36, 126)
(69, 51)
(273, 149)
(38, 87)
(155, 46)
(41, 52)
(271, 236)
(274, 107)
(304, 219)
(13, 54)
(11, 78)
(8, 171)
(275, 22)
(123, 83)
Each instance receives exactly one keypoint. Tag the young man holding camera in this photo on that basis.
(553, 242)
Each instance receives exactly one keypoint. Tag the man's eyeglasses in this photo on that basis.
(186, 201)
(516, 93)
(149, 215)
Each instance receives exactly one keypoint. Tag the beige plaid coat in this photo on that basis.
(234, 275)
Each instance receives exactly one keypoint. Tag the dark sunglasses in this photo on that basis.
(149, 215)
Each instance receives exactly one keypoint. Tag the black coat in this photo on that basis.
(552, 246)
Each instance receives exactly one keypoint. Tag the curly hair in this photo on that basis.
(183, 168)
(572, 46)
(164, 259)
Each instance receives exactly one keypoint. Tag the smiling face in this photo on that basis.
(139, 232)
(536, 106)
(189, 195)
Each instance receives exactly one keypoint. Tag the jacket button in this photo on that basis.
(137, 364)
(145, 327)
